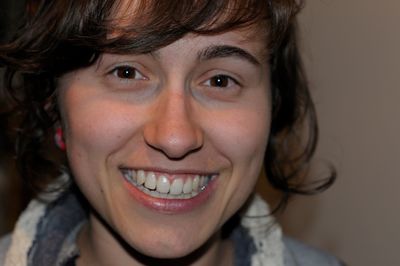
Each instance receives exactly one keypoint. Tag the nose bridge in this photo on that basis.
(174, 114)
(172, 129)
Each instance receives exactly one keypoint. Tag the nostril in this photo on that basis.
(173, 140)
(172, 127)
(174, 155)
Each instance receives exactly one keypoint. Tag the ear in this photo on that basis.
(59, 138)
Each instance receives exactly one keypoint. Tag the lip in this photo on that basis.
(171, 206)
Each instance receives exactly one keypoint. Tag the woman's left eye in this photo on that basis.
(127, 72)
(221, 81)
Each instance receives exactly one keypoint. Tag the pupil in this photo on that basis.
(219, 81)
(126, 72)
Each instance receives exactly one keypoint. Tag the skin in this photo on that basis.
(171, 117)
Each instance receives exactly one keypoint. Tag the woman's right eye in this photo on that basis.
(127, 73)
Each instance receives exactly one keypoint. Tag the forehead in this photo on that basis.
(243, 44)
(145, 26)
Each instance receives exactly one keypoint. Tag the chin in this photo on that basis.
(155, 252)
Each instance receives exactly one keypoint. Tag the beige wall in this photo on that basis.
(352, 54)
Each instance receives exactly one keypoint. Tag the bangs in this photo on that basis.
(60, 36)
(143, 26)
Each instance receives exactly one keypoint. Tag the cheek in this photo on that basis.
(93, 119)
(98, 126)
(242, 136)
(93, 131)
(242, 139)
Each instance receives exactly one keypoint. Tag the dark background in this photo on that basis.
(11, 191)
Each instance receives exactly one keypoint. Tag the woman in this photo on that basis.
(165, 112)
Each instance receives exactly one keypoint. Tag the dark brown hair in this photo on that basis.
(59, 36)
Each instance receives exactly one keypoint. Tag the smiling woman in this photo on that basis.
(164, 112)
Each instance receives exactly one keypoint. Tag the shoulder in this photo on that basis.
(5, 242)
(300, 254)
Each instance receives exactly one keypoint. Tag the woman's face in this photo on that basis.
(167, 146)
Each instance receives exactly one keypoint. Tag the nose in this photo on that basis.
(172, 128)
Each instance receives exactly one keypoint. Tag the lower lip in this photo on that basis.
(171, 206)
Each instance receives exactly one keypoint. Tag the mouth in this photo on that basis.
(167, 186)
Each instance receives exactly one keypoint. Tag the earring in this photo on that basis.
(59, 139)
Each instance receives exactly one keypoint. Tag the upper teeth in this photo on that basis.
(188, 186)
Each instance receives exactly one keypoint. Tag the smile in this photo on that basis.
(167, 186)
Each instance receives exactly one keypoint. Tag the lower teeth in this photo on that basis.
(157, 194)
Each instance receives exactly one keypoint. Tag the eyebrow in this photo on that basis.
(220, 51)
